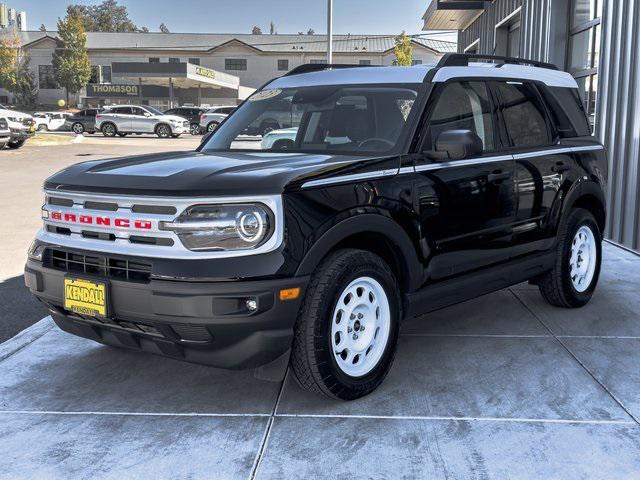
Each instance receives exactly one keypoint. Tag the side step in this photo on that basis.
(449, 292)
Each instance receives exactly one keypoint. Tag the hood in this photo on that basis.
(14, 114)
(206, 173)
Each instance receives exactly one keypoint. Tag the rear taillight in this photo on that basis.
(202, 115)
(97, 116)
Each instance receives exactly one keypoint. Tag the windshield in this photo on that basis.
(343, 119)
(154, 111)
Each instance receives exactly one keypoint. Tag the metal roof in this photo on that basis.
(265, 43)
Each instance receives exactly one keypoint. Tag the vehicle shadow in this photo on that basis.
(19, 309)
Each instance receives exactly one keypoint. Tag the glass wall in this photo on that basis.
(584, 49)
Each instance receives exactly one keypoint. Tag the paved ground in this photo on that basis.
(22, 173)
(501, 387)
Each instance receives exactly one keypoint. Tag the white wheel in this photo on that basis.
(360, 326)
(584, 258)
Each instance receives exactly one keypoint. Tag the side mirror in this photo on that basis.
(147, 114)
(458, 145)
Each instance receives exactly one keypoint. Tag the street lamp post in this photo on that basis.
(329, 32)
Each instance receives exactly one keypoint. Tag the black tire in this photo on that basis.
(175, 135)
(194, 129)
(16, 145)
(212, 126)
(77, 128)
(109, 129)
(2, 145)
(313, 360)
(163, 131)
(556, 286)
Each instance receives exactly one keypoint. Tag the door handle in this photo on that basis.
(498, 175)
(560, 167)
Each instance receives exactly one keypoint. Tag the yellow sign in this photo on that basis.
(206, 72)
(85, 297)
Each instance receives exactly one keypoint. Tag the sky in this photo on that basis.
(239, 16)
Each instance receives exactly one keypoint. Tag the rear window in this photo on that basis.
(567, 111)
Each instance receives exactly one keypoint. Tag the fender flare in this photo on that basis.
(580, 190)
(374, 223)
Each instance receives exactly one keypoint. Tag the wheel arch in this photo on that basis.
(377, 234)
(160, 124)
(590, 197)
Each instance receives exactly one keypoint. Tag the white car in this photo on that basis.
(21, 126)
(5, 132)
(124, 119)
(280, 139)
(50, 120)
(210, 119)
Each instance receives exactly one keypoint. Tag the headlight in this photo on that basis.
(223, 227)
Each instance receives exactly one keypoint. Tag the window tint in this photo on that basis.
(523, 115)
(462, 106)
(567, 111)
(121, 110)
(137, 111)
(173, 111)
(82, 113)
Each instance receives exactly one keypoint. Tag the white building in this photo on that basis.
(253, 59)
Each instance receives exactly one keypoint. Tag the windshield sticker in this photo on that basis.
(264, 95)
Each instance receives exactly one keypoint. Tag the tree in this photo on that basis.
(9, 47)
(26, 90)
(256, 30)
(164, 28)
(403, 49)
(70, 60)
(311, 31)
(43, 28)
(107, 16)
(143, 30)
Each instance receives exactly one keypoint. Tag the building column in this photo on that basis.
(170, 92)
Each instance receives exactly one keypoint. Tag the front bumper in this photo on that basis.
(200, 322)
(21, 134)
(179, 129)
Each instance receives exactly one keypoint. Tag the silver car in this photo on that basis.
(124, 119)
(210, 119)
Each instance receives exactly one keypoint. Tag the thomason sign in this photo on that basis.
(112, 90)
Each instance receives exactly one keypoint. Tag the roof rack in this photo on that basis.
(463, 59)
(318, 67)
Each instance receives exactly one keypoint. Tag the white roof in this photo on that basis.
(552, 78)
(417, 73)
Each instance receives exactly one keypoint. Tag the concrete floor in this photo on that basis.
(500, 387)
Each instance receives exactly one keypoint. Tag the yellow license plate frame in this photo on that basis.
(86, 297)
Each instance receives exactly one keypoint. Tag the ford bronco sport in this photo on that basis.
(406, 189)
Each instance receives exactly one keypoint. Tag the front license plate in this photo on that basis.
(85, 297)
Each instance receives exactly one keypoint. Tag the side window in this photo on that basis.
(138, 111)
(173, 111)
(567, 111)
(82, 113)
(462, 106)
(523, 114)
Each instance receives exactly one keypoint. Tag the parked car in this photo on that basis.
(210, 119)
(279, 139)
(124, 119)
(189, 113)
(52, 121)
(21, 126)
(5, 132)
(407, 189)
(83, 121)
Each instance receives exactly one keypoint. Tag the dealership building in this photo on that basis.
(598, 42)
(163, 69)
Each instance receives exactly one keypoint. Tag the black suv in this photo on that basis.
(404, 190)
(189, 113)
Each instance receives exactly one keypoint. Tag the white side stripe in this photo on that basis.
(450, 164)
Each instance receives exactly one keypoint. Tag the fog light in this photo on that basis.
(36, 251)
(251, 304)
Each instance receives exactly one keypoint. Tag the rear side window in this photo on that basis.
(462, 106)
(122, 110)
(567, 111)
(524, 115)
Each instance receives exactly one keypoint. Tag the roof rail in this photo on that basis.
(318, 67)
(463, 59)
